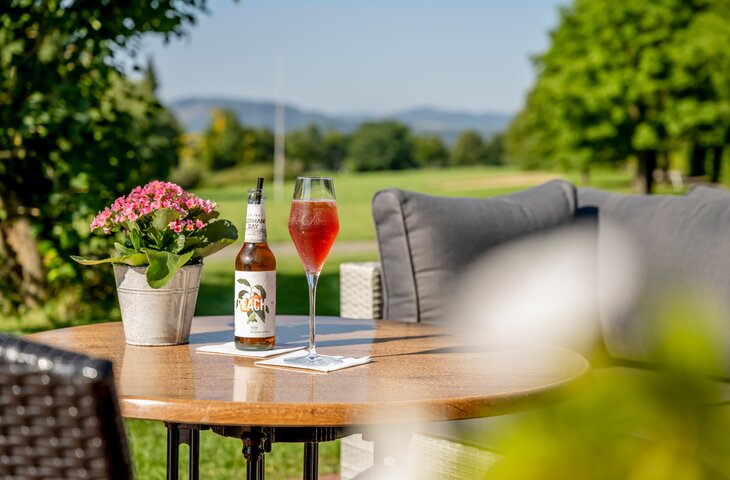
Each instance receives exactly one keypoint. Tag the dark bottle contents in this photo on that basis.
(255, 283)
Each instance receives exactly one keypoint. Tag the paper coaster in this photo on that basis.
(230, 349)
(347, 362)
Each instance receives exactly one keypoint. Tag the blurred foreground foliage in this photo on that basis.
(668, 419)
(75, 132)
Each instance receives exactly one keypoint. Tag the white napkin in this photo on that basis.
(347, 362)
(230, 349)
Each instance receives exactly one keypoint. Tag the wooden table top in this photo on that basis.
(419, 373)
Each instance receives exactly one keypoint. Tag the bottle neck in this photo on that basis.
(255, 231)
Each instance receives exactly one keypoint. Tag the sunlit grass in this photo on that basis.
(355, 193)
(220, 457)
(216, 287)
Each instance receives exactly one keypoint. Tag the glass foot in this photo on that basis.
(319, 360)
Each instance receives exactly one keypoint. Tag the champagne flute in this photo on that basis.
(313, 226)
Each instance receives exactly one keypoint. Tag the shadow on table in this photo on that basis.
(298, 335)
(292, 334)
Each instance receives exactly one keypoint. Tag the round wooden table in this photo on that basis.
(419, 373)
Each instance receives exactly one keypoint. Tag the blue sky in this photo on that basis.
(374, 56)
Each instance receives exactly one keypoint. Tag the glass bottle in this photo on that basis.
(255, 281)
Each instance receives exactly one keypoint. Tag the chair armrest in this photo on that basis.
(361, 290)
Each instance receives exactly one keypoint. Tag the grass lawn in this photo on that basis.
(355, 192)
(221, 458)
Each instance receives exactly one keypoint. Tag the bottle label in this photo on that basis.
(255, 304)
(255, 224)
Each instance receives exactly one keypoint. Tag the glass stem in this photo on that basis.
(312, 279)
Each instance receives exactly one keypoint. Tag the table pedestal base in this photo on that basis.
(178, 434)
(257, 442)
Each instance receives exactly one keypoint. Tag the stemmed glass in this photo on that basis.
(313, 226)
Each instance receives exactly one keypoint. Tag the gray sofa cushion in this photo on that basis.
(425, 241)
(709, 193)
(681, 246)
(592, 197)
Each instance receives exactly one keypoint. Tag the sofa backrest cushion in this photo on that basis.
(425, 241)
(681, 247)
(709, 193)
(592, 197)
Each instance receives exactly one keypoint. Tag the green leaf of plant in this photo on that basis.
(179, 242)
(252, 317)
(123, 250)
(162, 218)
(134, 260)
(243, 281)
(163, 266)
(214, 236)
(191, 242)
(156, 236)
(210, 249)
(207, 217)
(218, 230)
(135, 237)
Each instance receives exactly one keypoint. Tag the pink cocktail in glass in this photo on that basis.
(313, 226)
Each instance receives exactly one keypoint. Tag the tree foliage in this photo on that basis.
(306, 145)
(468, 149)
(334, 150)
(74, 132)
(258, 146)
(494, 150)
(430, 151)
(628, 80)
(223, 141)
(381, 145)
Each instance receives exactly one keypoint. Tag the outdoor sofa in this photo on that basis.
(423, 240)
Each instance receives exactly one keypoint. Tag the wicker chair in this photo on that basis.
(59, 416)
(362, 296)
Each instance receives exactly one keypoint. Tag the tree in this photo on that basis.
(334, 150)
(702, 72)
(306, 146)
(494, 150)
(382, 145)
(616, 76)
(258, 146)
(430, 151)
(74, 132)
(468, 149)
(224, 141)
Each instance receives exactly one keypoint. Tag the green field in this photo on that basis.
(355, 192)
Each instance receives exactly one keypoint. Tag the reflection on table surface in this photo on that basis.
(418, 371)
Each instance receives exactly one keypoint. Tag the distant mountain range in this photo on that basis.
(194, 115)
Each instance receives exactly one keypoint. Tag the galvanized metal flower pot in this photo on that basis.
(157, 316)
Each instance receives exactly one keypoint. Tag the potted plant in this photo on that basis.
(167, 232)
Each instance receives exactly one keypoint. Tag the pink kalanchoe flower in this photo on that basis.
(144, 201)
(175, 226)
